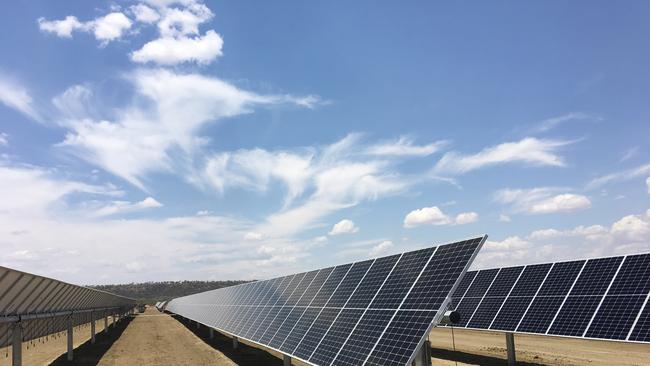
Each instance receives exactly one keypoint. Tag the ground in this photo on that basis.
(153, 338)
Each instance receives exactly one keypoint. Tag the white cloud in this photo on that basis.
(405, 146)
(344, 226)
(542, 200)
(553, 122)
(62, 28)
(629, 154)
(321, 239)
(144, 14)
(122, 207)
(381, 248)
(4, 139)
(533, 151)
(622, 176)
(183, 21)
(106, 28)
(171, 51)
(466, 218)
(14, 96)
(253, 236)
(426, 216)
(630, 234)
(160, 128)
(504, 218)
(647, 183)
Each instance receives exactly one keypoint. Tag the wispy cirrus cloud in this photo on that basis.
(530, 151)
(17, 97)
(620, 176)
(553, 122)
(542, 200)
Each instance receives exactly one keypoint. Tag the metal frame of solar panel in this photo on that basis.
(373, 312)
(600, 298)
(33, 306)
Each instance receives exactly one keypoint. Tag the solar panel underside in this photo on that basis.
(375, 312)
(603, 298)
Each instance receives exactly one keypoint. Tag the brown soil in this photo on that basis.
(488, 348)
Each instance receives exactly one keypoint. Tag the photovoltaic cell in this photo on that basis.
(344, 315)
(401, 279)
(615, 316)
(364, 337)
(601, 298)
(641, 332)
(401, 338)
(372, 282)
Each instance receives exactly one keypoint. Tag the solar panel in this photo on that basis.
(374, 312)
(601, 298)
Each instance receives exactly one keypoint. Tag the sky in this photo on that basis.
(155, 140)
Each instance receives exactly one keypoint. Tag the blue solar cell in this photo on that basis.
(316, 332)
(596, 276)
(561, 278)
(349, 283)
(634, 276)
(336, 336)
(441, 275)
(300, 329)
(372, 282)
(401, 338)
(511, 312)
(485, 313)
(641, 332)
(574, 316)
(333, 281)
(615, 316)
(364, 337)
(401, 279)
(482, 283)
(464, 285)
(540, 314)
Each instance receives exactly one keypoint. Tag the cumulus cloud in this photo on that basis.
(15, 96)
(62, 28)
(381, 248)
(106, 28)
(426, 216)
(630, 234)
(466, 218)
(344, 226)
(144, 14)
(171, 51)
(532, 151)
(621, 176)
(434, 216)
(543, 200)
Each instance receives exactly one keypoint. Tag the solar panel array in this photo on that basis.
(43, 306)
(374, 312)
(603, 298)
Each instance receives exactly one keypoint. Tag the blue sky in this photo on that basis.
(162, 139)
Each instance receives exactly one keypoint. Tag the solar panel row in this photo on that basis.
(374, 312)
(604, 298)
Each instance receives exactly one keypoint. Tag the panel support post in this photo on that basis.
(286, 360)
(423, 355)
(92, 328)
(235, 342)
(211, 333)
(105, 323)
(17, 345)
(198, 325)
(510, 348)
(70, 339)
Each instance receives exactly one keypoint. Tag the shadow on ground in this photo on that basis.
(243, 356)
(89, 354)
(474, 359)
